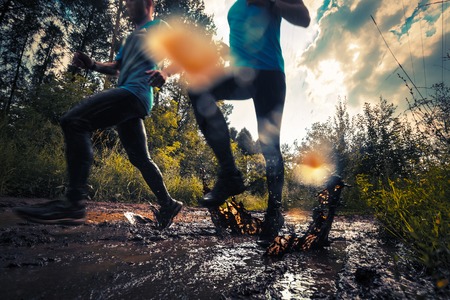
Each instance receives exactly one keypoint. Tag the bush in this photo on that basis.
(418, 213)
(253, 202)
(185, 189)
(32, 162)
(114, 178)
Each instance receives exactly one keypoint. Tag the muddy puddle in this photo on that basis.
(108, 258)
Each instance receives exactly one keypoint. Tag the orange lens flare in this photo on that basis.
(185, 46)
(313, 160)
(314, 168)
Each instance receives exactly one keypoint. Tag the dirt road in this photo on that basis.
(108, 258)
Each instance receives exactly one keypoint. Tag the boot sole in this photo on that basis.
(65, 221)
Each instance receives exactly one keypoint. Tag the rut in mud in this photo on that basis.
(108, 258)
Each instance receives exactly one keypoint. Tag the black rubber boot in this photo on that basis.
(273, 222)
(226, 186)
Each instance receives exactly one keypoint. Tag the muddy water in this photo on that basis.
(110, 259)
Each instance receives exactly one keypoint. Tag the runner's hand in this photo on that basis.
(156, 78)
(81, 60)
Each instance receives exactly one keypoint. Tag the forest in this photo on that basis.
(397, 162)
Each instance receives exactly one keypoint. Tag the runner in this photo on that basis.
(124, 107)
(256, 72)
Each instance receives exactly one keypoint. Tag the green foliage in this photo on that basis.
(191, 12)
(253, 168)
(32, 147)
(187, 189)
(162, 126)
(253, 202)
(114, 178)
(32, 161)
(383, 155)
(245, 142)
(416, 211)
(57, 96)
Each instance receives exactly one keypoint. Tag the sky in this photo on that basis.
(342, 55)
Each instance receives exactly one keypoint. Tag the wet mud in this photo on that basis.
(109, 258)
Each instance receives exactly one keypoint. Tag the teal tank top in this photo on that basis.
(255, 37)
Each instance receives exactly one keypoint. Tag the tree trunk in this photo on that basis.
(4, 10)
(88, 28)
(16, 78)
(114, 36)
(46, 62)
(116, 30)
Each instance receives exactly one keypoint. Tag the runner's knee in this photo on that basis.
(71, 124)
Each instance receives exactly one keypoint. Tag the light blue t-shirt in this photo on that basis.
(255, 37)
(135, 61)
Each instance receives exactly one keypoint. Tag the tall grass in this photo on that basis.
(114, 178)
(418, 213)
(186, 189)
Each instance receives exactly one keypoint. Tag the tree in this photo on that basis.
(245, 142)
(342, 130)
(233, 134)
(386, 154)
(37, 36)
(432, 117)
(4, 9)
(318, 138)
(118, 10)
(91, 24)
(13, 69)
(190, 12)
(49, 52)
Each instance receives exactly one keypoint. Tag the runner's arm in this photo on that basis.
(108, 68)
(81, 60)
(293, 11)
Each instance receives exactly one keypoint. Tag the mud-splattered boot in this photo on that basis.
(273, 222)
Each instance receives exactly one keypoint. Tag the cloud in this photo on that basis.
(349, 55)
(341, 54)
(355, 20)
(322, 10)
